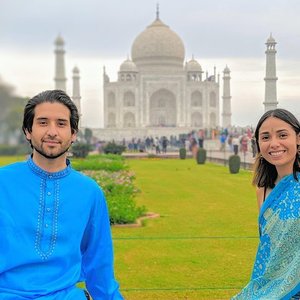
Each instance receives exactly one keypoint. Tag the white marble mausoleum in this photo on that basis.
(158, 93)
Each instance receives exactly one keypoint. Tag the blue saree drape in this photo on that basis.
(276, 272)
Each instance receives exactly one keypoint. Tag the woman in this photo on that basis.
(276, 272)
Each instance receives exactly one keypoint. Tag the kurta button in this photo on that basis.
(48, 209)
(49, 193)
(46, 225)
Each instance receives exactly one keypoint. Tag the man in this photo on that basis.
(54, 222)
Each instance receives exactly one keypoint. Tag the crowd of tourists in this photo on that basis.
(233, 140)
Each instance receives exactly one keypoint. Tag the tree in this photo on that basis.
(88, 134)
(11, 114)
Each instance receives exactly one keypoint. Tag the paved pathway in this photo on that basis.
(213, 154)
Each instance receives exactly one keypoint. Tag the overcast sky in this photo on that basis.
(98, 32)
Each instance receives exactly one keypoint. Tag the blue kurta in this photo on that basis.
(54, 233)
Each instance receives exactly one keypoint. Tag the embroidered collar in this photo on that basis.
(49, 175)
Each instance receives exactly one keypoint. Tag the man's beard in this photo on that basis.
(51, 156)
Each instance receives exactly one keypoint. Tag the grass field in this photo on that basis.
(203, 244)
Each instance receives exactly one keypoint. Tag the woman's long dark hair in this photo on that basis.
(265, 174)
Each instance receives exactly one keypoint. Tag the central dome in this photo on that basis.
(158, 45)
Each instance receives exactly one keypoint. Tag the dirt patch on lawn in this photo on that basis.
(138, 223)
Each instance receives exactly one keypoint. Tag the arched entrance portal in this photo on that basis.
(163, 109)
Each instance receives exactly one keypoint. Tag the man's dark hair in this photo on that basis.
(51, 96)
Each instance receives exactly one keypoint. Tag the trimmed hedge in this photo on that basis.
(22, 149)
(109, 162)
(201, 156)
(112, 174)
(234, 164)
(182, 153)
(80, 149)
(113, 148)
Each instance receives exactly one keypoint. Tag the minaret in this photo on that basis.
(226, 115)
(270, 79)
(60, 77)
(215, 78)
(76, 89)
(105, 76)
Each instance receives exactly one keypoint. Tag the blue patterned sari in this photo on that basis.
(276, 272)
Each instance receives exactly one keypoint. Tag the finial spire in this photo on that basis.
(157, 11)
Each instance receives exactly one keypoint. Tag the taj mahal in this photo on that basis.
(158, 92)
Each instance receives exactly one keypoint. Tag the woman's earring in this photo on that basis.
(261, 158)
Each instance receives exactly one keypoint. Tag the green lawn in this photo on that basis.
(204, 243)
(5, 160)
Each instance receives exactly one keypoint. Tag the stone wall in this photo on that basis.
(106, 134)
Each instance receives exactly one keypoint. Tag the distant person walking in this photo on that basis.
(253, 147)
(201, 138)
(244, 143)
(223, 142)
(157, 146)
(276, 272)
(164, 144)
(235, 144)
(193, 146)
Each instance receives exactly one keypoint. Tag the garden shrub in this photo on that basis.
(109, 162)
(80, 149)
(201, 156)
(234, 164)
(21, 149)
(121, 205)
(111, 173)
(182, 153)
(113, 148)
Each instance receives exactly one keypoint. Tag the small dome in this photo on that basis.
(193, 66)
(159, 45)
(59, 41)
(128, 66)
(75, 70)
(226, 70)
